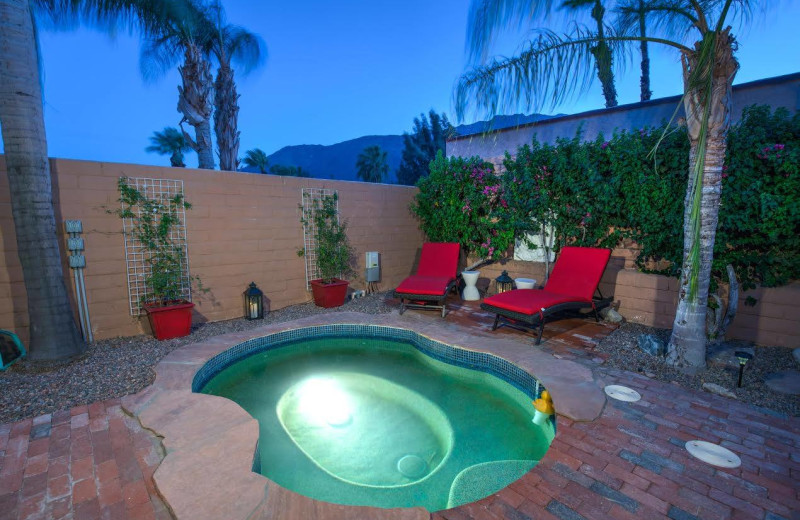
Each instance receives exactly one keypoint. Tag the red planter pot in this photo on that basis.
(170, 321)
(330, 294)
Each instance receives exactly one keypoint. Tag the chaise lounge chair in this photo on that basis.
(571, 286)
(436, 276)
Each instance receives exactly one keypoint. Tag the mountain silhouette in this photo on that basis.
(338, 161)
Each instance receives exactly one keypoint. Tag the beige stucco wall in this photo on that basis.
(241, 228)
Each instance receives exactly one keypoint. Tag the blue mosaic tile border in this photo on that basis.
(480, 361)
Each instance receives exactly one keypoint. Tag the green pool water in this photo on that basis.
(365, 421)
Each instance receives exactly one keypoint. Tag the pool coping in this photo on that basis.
(210, 441)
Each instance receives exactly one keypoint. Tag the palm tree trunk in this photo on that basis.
(687, 345)
(603, 57)
(645, 79)
(226, 115)
(194, 102)
(53, 332)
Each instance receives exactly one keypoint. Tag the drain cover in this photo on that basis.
(622, 393)
(412, 466)
(713, 454)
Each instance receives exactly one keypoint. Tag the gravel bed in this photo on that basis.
(625, 354)
(120, 366)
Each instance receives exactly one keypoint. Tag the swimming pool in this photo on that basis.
(368, 415)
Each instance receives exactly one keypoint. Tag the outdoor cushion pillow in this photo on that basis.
(530, 301)
(439, 259)
(429, 285)
(578, 271)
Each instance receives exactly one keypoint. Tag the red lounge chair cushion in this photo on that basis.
(432, 285)
(530, 301)
(578, 271)
(439, 259)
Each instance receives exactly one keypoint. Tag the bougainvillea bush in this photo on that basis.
(759, 221)
(461, 201)
(633, 186)
(630, 186)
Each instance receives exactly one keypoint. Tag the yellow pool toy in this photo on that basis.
(544, 404)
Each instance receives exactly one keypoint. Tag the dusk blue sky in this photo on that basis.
(335, 71)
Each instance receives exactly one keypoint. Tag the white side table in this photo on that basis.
(470, 293)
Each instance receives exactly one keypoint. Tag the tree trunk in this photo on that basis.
(226, 115)
(53, 332)
(687, 345)
(603, 58)
(194, 102)
(644, 82)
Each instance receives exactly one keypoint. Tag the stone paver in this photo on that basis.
(624, 461)
(90, 462)
(631, 463)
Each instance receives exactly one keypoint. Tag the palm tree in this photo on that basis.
(169, 141)
(488, 16)
(179, 35)
(256, 158)
(229, 44)
(556, 65)
(633, 13)
(372, 165)
(53, 332)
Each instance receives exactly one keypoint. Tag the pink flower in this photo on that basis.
(604, 145)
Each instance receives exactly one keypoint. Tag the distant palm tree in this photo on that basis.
(372, 165)
(555, 66)
(169, 141)
(633, 13)
(179, 37)
(256, 158)
(488, 16)
(229, 44)
(53, 331)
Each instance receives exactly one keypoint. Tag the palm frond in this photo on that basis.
(157, 56)
(486, 17)
(552, 68)
(669, 18)
(246, 49)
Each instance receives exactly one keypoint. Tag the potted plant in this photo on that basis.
(166, 281)
(334, 255)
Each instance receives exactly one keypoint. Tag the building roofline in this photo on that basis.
(786, 78)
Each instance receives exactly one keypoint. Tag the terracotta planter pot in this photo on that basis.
(170, 321)
(330, 294)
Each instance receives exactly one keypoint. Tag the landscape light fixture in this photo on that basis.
(504, 283)
(253, 303)
(743, 358)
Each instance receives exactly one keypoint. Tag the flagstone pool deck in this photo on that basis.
(166, 452)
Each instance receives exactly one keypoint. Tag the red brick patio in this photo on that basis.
(86, 463)
(96, 462)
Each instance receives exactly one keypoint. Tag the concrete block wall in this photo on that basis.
(241, 228)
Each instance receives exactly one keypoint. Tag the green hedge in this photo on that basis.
(632, 186)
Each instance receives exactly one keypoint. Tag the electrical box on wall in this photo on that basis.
(373, 264)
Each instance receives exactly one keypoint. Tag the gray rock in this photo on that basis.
(724, 356)
(610, 315)
(719, 390)
(784, 382)
(796, 354)
(651, 344)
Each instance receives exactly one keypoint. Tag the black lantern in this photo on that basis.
(504, 283)
(253, 303)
